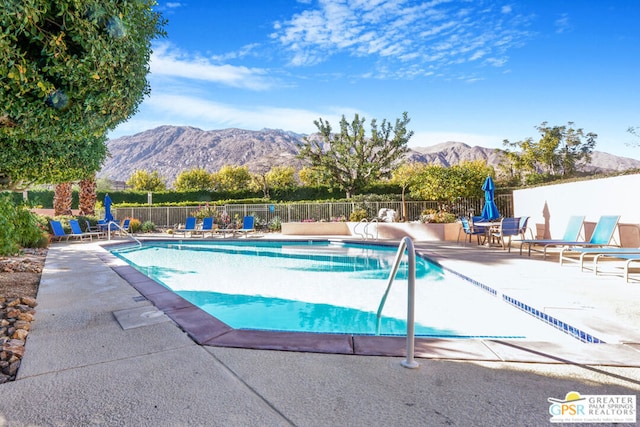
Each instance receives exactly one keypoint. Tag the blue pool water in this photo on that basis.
(324, 287)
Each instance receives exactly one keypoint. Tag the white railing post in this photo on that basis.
(405, 243)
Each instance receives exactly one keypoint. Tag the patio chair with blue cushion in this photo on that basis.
(469, 231)
(92, 228)
(189, 227)
(248, 226)
(627, 258)
(207, 227)
(609, 251)
(524, 226)
(602, 236)
(571, 234)
(77, 232)
(509, 227)
(58, 230)
(124, 227)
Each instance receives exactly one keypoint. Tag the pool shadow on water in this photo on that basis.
(278, 314)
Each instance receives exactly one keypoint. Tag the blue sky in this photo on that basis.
(471, 71)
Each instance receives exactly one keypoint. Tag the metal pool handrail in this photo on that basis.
(405, 243)
(365, 233)
(122, 230)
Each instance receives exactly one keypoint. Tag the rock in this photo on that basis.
(21, 324)
(13, 313)
(14, 347)
(20, 334)
(31, 302)
(13, 368)
(27, 317)
(13, 302)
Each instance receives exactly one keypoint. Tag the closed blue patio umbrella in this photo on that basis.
(490, 210)
(107, 209)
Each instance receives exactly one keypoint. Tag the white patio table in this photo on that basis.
(489, 227)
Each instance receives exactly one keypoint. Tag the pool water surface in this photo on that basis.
(326, 287)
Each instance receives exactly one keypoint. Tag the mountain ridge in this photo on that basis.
(172, 149)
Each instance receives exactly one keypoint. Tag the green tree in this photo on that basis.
(193, 179)
(232, 178)
(446, 184)
(350, 158)
(71, 71)
(142, 180)
(281, 177)
(313, 177)
(557, 154)
(404, 176)
(104, 185)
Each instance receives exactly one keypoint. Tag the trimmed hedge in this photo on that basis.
(44, 198)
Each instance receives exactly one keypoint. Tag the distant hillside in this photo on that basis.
(172, 149)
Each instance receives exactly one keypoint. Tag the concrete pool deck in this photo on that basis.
(99, 353)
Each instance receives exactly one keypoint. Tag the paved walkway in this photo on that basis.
(100, 354)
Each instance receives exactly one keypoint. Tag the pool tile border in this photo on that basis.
(573, 331)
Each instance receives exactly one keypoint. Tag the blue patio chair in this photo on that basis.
(604, 251)
(58, 230)
(602, 236)
(571, 234)
(124, 226)
(207, 227)
(77, 232)
(189, 227)
(627, 258)
(248, 223)
(524, 226)
(469, 231)
(509, 227)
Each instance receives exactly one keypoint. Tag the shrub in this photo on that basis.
(134, 225)
(204, 212)
(275, 224)
(437, 217)
(148, 227)
(358, 215)
(19, 227)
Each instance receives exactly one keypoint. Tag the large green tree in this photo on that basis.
(193, 180)
(142, 180)
(352, 159)
(446, 184)
(71, 71)
(232, 178)
(557, 154)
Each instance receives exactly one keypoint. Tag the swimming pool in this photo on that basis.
(325, 287)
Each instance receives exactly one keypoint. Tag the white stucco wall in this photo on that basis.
(593, 198)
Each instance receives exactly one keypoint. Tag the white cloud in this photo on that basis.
(166, 61)
(436, 33)
(193, 111)
(563, 24)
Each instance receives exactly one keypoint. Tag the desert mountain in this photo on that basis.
(172, 149)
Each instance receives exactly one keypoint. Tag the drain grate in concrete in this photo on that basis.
(139, 316)
(139, 298)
